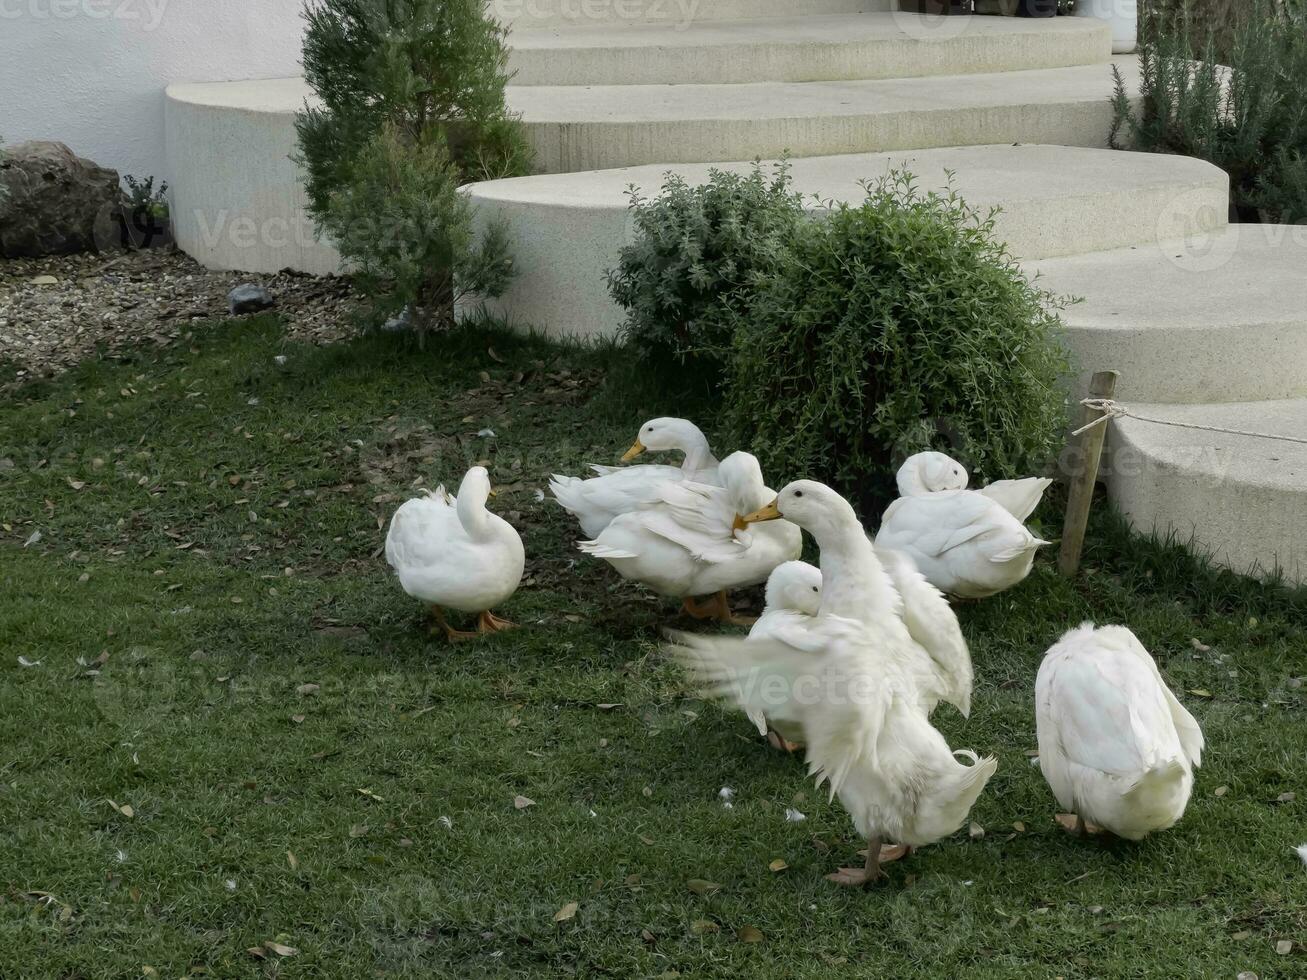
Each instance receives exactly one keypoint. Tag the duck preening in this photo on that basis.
(453, 553)
(1117, 747)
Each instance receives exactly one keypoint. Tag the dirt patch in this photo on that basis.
(55, 311)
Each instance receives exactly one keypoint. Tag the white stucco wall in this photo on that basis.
(91, 73)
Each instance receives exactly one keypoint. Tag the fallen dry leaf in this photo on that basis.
(292, 860)
(701, 887)
(280, 949)
(1199, 692)
(306, 689)
(125, 809)
(975, 831)
(749, 934)
(778, 865)
(1220, 790)
(522, 802)
(701, 927)
(1284, 947)
(258, 952)
(1199, 645)
(1286, 797)
(567, 912)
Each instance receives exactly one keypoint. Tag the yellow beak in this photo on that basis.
(494, 492)
(633, 452)
(769, 513)
(740, 524)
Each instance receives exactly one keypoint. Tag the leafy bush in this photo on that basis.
(899, 325)
(412, 106)
(698, 251)
(1248, 118)
(142, 197)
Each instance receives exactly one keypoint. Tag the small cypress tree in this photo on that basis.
(411, 106)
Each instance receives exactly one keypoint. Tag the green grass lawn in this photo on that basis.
(211, 522)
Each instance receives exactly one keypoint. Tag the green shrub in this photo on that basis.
(1247, 118)
(1282, 188)
(698, 251)
(898, 325)
(412, 106)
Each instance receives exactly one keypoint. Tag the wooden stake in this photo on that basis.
(1080, 493)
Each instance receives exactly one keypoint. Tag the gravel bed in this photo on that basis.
(121, 300)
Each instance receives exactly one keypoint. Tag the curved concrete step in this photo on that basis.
(1243, 500)
(1214, 318)
(802, 49)
(600, 127)
(527, 14)
(1057, 200)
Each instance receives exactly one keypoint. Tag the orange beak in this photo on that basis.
(771, 512)
(633, 452)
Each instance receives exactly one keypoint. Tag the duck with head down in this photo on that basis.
(617, 490)
(693, 542)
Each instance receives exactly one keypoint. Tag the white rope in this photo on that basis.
(1115, 410)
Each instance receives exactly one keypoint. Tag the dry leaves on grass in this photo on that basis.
(522, 802)
(702, 887)
(271, 946)
(567, 912)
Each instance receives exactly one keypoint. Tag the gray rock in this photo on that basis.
(249, 298)
(52, 202)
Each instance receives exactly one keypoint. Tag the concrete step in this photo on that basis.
(604, 126)
(1218, 317)
(528, 14)
(1243, 500)
(803, 49)
(567, 228)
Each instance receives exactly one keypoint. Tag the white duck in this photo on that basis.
(1116, 746)
(967, 543)
(619, 490)
(867, 734)
(882, 588)
(932, 472)
(453, 553)
(692, 542)
(793, 600)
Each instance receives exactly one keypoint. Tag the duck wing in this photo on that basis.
(698, 517)
(422, 530)
(933, 624)
(835, 693)
(1107, 711)
(1018, 497)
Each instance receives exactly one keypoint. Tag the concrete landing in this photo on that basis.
(1213, 318)
(529, 14)
(1057, 200)
(1242, 500)
(803, 49)
(600, 127)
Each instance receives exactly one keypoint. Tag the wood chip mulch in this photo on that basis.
(122, 300)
